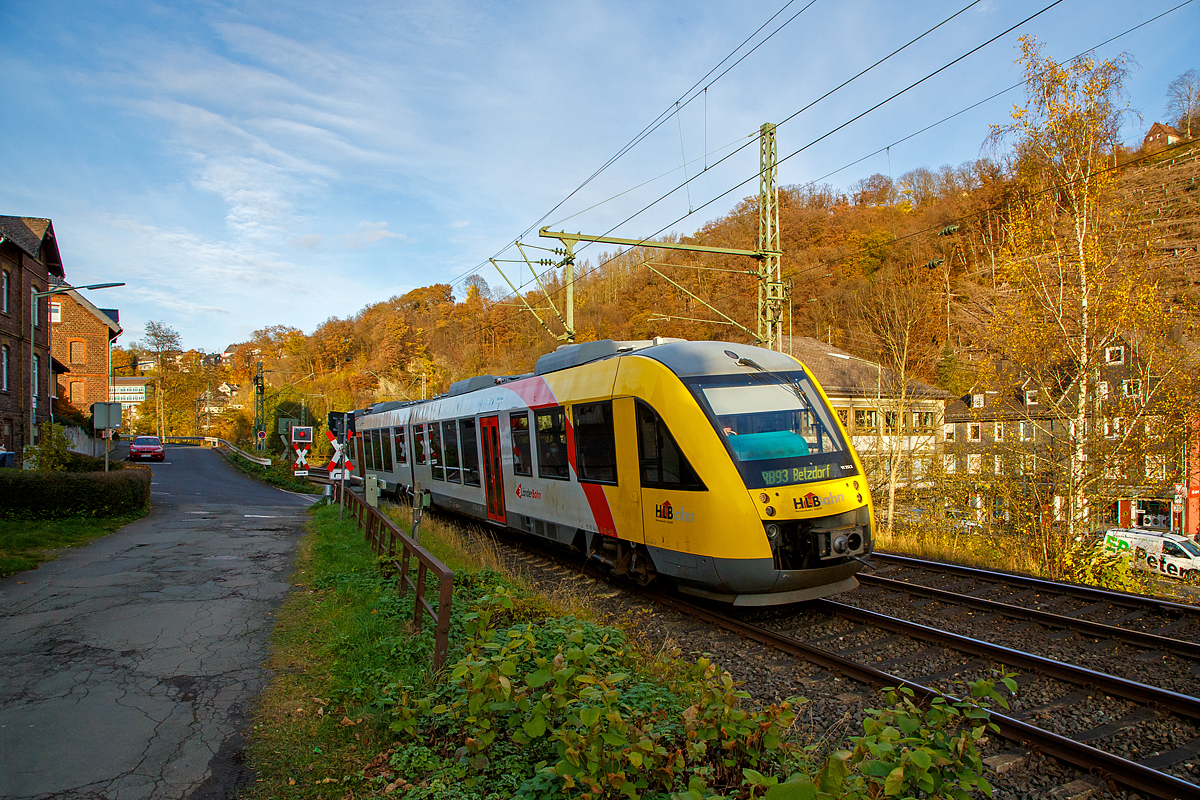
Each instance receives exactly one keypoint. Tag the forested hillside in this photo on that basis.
(948, 275)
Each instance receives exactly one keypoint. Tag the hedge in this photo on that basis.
(25, 494)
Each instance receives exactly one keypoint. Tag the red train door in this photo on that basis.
(493, 478)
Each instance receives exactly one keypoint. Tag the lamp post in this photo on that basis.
(33, 349)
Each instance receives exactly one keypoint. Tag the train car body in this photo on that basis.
(718, 466)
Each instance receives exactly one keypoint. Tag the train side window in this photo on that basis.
(419, 443)
(386, 442)
(522, 455)
(450, 448)
(552, 444)
(595, 445)
(401, 452)
(376, 438)
(663, 464)
(368, 449)
(469, 441)
(435, 451)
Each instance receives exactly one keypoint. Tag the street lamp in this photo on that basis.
(33, 349)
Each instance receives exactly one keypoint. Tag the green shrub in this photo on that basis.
(27, 494)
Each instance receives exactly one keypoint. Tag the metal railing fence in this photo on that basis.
(387, 540)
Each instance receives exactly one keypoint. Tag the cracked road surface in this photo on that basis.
(128, 666)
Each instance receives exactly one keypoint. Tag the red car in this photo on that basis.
(146, 447)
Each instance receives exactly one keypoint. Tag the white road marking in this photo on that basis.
(262, 516)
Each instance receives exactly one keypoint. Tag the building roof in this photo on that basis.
(32, 235)
(137, 381)
(841, 373)
(100, 314)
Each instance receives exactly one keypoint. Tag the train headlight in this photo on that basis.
(770, 511)
(841, 545)
(855, 542)
(772, 531)
(764, 497)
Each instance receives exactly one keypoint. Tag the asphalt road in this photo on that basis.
(128, 667)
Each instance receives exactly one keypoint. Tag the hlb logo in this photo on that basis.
(809, 500)
(664, 511)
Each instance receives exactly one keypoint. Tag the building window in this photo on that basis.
(948, 430)
(522, 457)
(595, 444)
(77, 394)
(78, 352)
(865, 420)
(37, 363)
(4, 368)
(890, 420)
(976, 401)
(1103, 390)
(4, 292)
(949, 463)
(924, 420)
(974, 463)
(997, 467)
(33, 304)
(1131, 388)
(1156, 467)
(844, 417)
(974, 432)
(1027, 431)
(552, 444)
(998, 432)
(1031, 397)
(1114, 355)
(56, 312)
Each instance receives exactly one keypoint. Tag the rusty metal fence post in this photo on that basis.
(373, 523)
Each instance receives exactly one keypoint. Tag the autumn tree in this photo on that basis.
(1071, 275)
(1183, 101)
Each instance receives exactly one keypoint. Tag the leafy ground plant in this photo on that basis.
(278, 474)
(539, 704)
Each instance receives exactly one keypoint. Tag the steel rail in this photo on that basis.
(1154, 640)
(1090, 759)
(1164, 699)
(1012, 578)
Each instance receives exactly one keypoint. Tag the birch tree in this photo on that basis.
(1070, 272)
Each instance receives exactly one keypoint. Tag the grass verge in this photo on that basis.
(278, 474)
(538, 703)
(24, 544)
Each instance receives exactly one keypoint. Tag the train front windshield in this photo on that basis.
(776, 426)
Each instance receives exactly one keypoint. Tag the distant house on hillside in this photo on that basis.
(1160, 136)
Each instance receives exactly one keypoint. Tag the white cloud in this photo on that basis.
(459, 224)
(308, 240)
(368, 233)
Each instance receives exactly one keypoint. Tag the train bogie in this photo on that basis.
(719, 467)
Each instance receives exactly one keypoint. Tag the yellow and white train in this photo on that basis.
(718, 466)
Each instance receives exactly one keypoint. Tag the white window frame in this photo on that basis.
(948, 432)
(56, 312)
(1103, 390)
(974, 463)
(998, 431)
(35, 306)
(3, 368)
(1028, 429)
(974, 432)
(1031, 397)
(977, 401)
(4, 292)
(1131, 388)
(997, 466)
(949, 463)
(1114, 354)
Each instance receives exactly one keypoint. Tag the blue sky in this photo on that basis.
(249, 164)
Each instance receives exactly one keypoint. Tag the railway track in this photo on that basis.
(1133, 734)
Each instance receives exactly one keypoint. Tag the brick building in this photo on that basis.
(29, 263)
(81, 338)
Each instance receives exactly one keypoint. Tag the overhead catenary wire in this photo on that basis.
(649, 239)
(685, 99)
